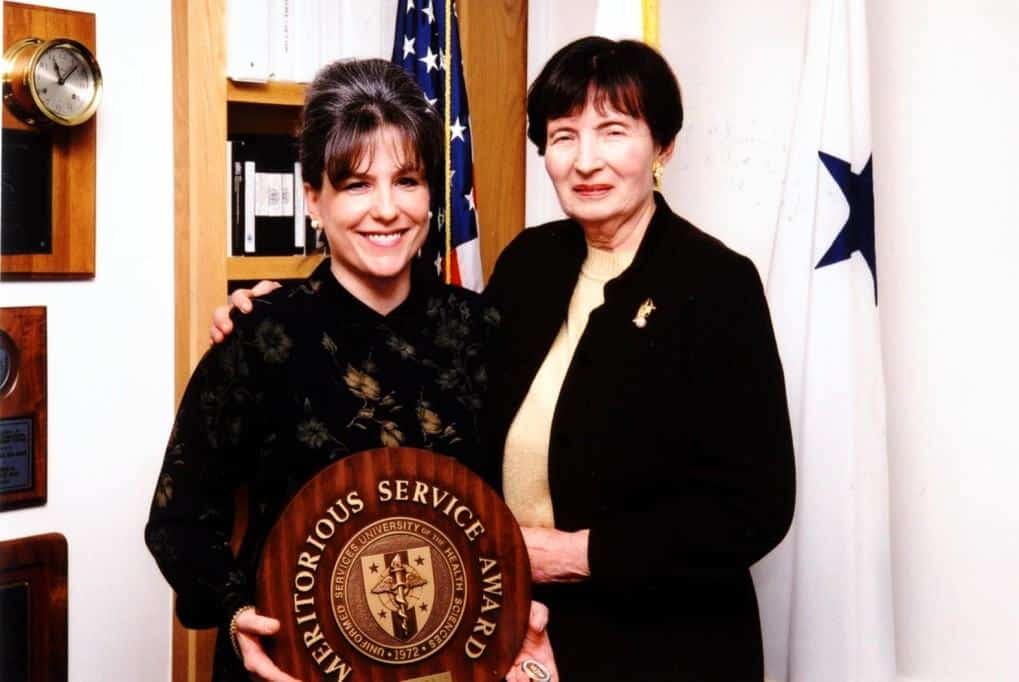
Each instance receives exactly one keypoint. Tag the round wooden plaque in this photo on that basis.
(395, 564)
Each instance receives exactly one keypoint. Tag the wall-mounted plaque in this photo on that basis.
(396, 564)
(22, 407)
(57, 241)
(33, 609)
(25, 226)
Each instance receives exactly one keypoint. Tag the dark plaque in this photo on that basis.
(399, 565)
(22, 407)
(33, 609)
(26, 226)
(14, 647)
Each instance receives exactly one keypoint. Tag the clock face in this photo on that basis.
(8, 363)
(64, 81)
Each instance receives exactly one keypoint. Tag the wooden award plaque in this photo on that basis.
(22, 407)
(33, 609)
(396, 565)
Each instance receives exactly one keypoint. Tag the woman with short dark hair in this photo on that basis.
(369, 351)
(635, 393)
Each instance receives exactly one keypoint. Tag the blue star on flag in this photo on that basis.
(858, 232)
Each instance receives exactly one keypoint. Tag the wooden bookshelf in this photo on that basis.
(271, 267)
(274, 92)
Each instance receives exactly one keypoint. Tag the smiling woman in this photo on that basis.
(367, 157)
(375, 220)
(370, 351)
(636, 393)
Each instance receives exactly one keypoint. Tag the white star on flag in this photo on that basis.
(432, 57)
(429, 59)
(456, 130)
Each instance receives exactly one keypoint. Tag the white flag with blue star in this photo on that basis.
(826, 597)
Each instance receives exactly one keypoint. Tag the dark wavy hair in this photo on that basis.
(347, 103)
(628, 75)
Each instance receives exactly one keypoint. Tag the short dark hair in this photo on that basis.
(630, 76)
(347, 103)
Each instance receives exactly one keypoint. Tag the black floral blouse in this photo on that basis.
(309, 376)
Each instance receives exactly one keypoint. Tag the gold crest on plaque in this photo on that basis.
(399, 590)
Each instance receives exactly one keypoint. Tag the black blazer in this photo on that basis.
(670, 442)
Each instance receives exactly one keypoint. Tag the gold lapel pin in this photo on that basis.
(643, 312)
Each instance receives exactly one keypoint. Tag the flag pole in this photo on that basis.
(651, 15)
(447, 143)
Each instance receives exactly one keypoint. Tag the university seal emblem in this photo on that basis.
(399, 590)
(395, 564)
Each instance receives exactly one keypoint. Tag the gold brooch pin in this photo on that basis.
(643, 312)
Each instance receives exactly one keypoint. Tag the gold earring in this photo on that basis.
(657, 170)
(320, 242)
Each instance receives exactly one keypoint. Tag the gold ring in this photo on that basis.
(535, 670)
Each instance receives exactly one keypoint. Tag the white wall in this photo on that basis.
(738, 63)
(110, 355)
(945, 107)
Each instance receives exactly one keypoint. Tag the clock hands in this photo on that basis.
(61, 81)
(62, 78)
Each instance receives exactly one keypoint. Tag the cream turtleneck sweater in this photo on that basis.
(525, 462)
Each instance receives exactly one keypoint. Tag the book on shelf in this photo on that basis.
(282, 26)
(290, 40)
(309, 32)
(248, 41)
(267, 211)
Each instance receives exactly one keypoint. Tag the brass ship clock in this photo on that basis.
(51, 81)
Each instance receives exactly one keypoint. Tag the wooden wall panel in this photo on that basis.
(200, 202)
(494, 41)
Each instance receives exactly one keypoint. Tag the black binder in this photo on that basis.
(266, 202)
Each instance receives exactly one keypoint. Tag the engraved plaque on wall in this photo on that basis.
(33, 609)
(22, 407)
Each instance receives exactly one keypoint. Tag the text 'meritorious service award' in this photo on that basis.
(395, 564)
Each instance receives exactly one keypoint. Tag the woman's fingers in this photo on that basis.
(241, 299)
(257, 662)
(538, 620)
(250, 627)
(516, 674)
(221, 324)
(536, 648)
(251, 623)
(264, 287)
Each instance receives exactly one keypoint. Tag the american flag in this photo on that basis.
(427, 45)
